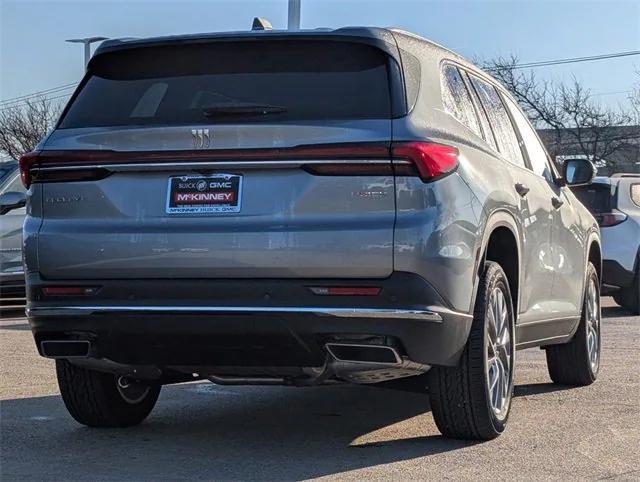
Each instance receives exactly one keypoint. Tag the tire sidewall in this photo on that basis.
(498, 279)
(592, 274)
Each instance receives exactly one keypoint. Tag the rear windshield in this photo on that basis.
(268, 81)
(596, 197)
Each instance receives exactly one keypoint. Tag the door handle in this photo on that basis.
(557, 202)
(522, 189)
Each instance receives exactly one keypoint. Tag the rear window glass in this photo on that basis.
(508, 143)
(457, 100)
(596, 197)
(269, 81)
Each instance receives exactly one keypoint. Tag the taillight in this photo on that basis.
(425, 159)
(432, 160)
(611, 219)
(26, 163)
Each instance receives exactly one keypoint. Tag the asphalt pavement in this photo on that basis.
(203, 431)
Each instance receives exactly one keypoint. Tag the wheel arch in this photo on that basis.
(501, 230)
(594, 254)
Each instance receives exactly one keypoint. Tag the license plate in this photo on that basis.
(219, 193)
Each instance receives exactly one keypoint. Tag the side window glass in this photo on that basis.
(484, 120)
(499, 118)
(536, 151)
(457, 100)
(635, 194)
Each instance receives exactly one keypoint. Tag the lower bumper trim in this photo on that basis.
(427, 314)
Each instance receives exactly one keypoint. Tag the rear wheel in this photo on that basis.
(472, 400)
(577, 362)
(100, 399)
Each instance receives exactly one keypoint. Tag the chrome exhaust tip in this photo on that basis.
(65, 348)
(361, 353)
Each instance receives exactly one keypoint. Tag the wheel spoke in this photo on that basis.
(592, 319)
(499, 349)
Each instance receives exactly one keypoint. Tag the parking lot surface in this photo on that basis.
(203, 431)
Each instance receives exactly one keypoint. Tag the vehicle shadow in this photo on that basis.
(528, 389)
(615, 311)
(206, 431)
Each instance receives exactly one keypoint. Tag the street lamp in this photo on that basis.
(294, 15)
(87, 45)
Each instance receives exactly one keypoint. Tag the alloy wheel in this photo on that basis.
(499, 354)
(593, 325)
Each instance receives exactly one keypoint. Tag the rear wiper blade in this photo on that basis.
(242, 109)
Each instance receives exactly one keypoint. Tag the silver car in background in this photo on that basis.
(615, 203)
(12, 213)
(299, 208)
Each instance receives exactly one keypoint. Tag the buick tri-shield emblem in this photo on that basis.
(201, 138)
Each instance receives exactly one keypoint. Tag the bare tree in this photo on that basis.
(574, 120)
(24, 124)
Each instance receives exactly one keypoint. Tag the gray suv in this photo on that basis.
(301, 208)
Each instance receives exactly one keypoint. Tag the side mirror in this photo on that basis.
(12, 200)
(578, 172)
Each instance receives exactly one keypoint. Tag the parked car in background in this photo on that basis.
(299, 208)
(12, 213)
(615, 203)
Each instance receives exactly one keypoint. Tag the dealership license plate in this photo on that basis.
(219, 193)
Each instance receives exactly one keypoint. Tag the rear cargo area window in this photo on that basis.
(250, 81)
(596, 197)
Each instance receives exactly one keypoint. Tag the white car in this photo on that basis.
(12, 213)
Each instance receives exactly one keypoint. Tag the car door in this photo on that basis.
(532, 209)
(11, 234)
(567, 248)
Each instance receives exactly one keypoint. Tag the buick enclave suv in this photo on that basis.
(353, 205)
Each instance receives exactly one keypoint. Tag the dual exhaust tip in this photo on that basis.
(65, 348)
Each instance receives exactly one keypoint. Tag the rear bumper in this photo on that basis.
(288, 327)
(614, 274)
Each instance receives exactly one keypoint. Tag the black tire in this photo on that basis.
(570, 363)
(460, 399)
(94, 399)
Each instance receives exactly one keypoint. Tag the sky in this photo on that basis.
(34, 55)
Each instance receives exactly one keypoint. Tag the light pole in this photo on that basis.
(294, 15)
(87, 45)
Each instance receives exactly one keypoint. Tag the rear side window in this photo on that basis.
(596, 197)
(270, 81)
(499, 118)
(635, 194)
(457, 100)
(536, 151)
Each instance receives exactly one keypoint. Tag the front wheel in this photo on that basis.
(578, 362)
(100, 399)
(472, 400)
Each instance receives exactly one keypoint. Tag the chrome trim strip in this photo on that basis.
(171, 166)
(425, 315)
